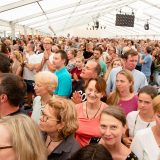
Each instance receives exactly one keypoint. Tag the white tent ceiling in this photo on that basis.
(73, 16)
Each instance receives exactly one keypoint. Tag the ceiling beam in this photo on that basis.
(16, 5)
(151, 4)
(88, 13)
(53, 10)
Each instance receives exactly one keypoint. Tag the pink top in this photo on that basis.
(88, 128)
(129, 105)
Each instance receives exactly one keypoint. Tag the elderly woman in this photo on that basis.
(89, 111)
(146, 143)
(112, 127)
(59, 122)
(124, 95)
(21, 139)
(45, 84)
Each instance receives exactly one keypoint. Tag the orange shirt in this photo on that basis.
(88, 128)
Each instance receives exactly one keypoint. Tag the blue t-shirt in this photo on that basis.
(64, 87)
(146, 66)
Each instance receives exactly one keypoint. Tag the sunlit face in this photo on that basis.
(40, 88)
(116, 64)
(79, 63)
(131, 62)
(96, 54)
(7, 153)
(12, 55)
(58, 62)
(111, 51)
(122, 83)
(93, 96)
(70, 55)
(145, 103)
(111, 129)
(48, 121)
(89, 70)
(47, 45)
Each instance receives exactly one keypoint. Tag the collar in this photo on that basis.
(65, 146)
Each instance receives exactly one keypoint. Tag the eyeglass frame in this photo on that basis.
(45, 117)
(47, 43)
(5, 147)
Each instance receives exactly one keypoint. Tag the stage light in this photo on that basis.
(95, 26)
(146, 26)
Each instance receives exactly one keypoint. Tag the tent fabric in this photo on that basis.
(60, 17)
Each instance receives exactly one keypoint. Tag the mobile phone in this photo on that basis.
(94, 140)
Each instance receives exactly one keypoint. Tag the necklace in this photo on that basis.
(135, 123)
(95, 113)
(53, 141)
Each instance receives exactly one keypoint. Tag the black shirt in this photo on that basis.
(65, 150)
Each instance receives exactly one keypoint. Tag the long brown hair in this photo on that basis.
(115, 96)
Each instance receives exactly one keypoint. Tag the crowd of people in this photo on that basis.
(79, 99)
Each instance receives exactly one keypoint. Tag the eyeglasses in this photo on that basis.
(44, 117)
(5, 147)
(46, 43)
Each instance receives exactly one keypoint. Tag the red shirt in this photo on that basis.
(76, 71)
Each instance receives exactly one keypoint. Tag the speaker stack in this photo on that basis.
(125, 20)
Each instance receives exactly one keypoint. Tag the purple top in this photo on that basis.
(129, 105)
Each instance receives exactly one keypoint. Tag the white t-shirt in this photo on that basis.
(135, 123)
(45, 67)
(144, 145)
(27, 74)
(37, 107)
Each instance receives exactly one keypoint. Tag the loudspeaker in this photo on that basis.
(146, 26)
(125, 20)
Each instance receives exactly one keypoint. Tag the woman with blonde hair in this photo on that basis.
(45, 84)
(59, 122)
(17, 62)
(21, 139)
(117, 62)
(124, 95)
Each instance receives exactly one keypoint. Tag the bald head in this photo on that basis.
(91, 70)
